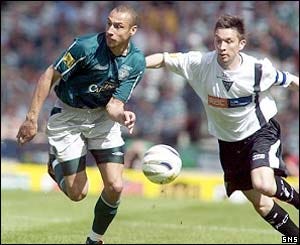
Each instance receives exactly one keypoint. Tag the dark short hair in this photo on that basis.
(231, 21)
(127, 9)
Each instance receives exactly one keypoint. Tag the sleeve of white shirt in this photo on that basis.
(184, 64)
(273, 77)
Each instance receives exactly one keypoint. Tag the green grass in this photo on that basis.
(39, 218)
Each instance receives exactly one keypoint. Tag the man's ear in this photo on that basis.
(242, 44)
(133, 30)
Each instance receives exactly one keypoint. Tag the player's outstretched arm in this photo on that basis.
(295, 82)
(115, 110)
(28, 129)
(155, 60)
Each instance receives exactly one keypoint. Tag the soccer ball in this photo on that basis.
(161, 164)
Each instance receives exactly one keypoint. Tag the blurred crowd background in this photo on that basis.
(168, 111)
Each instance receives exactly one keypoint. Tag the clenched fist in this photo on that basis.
(27, 131)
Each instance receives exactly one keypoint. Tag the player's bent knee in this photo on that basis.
(115, 187)
(77, 191)
(77, 196)
(264, 187)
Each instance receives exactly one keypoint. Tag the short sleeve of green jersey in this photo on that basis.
(124, 91)
(70, 60)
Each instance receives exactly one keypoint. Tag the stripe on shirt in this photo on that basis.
(280, 79)
(134, 84)
(273, 158)
(257, 77)
(62, 58)
(66, 71)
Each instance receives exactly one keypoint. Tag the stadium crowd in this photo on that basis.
(34, 33)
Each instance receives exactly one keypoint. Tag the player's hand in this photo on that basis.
(130, 119)
(27, 131)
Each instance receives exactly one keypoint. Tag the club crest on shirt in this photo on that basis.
(226, 80)
(123, 72)
(227, 84)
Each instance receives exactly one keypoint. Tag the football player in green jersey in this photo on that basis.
(93, 79)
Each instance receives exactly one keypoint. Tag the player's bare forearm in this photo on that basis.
(155, 60)
(29, 127)
(294, 85)
(115, 110)
(41, 92)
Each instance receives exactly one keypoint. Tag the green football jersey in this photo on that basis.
(92, 74)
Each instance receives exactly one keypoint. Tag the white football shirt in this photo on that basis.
(235, 107)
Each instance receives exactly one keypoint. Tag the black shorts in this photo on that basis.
(263, 148)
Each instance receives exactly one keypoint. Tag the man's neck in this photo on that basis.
(121, 51)
(237, 62)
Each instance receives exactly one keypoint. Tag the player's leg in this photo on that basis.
(272, 213)
(267, 165)
(110, 163)
(67, 153)
(70, 176)
(264, 181)
(50, 169)
(106, 145)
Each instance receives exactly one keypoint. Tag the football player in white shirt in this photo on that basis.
(235, 90)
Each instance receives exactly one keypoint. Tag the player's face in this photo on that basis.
(119, 29)
(228, 45)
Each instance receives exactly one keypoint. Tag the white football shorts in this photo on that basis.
(73, 131)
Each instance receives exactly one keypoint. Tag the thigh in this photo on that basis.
(263, 180)
(64, 135)
(77, 181)
(73, 172)
(67, 146)
(106, 134)
(236, 165)
(267, 150)
(234, 157)
(263, 175)
(105, 142)
(111, 173)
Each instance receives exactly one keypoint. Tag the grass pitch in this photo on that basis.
(43, 218)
